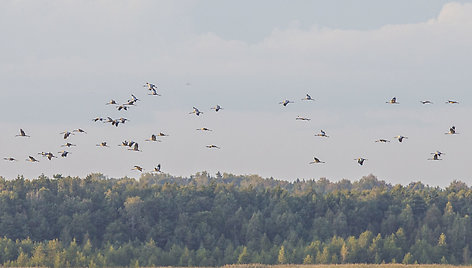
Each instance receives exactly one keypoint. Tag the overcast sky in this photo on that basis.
(61, 61)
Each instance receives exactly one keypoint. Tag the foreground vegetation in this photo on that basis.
(161, 220)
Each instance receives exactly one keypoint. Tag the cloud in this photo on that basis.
(454, 13)
(426, 48)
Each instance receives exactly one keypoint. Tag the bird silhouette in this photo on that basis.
(158, 168)
(400, 138)
(31, 159)
(150, 86)
(452, 131)
(135, 148)
(66, 134)
(452, 102)
(393, 101)
(322, 134)
(196, 111)
(79, 130)
(382, 140)
(204, 129)
(153, 138)
(48, 155)
(154, 93)
(302, 118)
(217, 108)
(213, 146)
(316, 161)
(360, 160)
(285, 102)
(11, 159)
(308, 98)
(22, 134)
(64, 153)
(138, 168)
(435, 157)
(68, 145)
(102, 144)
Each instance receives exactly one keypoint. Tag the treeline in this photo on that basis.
(160, 220)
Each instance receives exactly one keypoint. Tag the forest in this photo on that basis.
(205, 220)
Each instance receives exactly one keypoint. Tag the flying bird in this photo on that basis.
(382, 140)
(102, 144)
(360, 160)
(158, 168)
(217, 108)
(452, 131)
(438, 153)
(154, 93)
(204, 129)
(64, 153)
(308, 98)
(135, 147)
(302, 118)
(196, 111)
(316, 161)
(11, 159)
(400, 138)
(138, 168)
(79, 130)
(153, 138)
(150, 86)
(426, 102)
(123, 143)
(393, 101)
(66, 134)
(31, 159)
(68, 145)
(49, 155)
(435, 157)
(22, 134)
(212, 146)
(133, 98)
(285, 102)
(452, 102)
(111, 102)
(322, 134)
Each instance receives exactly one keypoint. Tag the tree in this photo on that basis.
(244, 257)
(282, 259)
(308, 259)
(408, 259)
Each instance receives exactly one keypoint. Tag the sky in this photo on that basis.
(61, 61)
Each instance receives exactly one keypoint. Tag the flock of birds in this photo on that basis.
(152, 89)
(129, 144)
(361, 160)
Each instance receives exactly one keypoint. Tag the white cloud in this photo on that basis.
(455, 13)
(425, 48)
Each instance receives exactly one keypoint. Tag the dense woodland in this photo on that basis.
(214, 220)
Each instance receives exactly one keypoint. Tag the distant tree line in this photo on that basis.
(204, 220)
